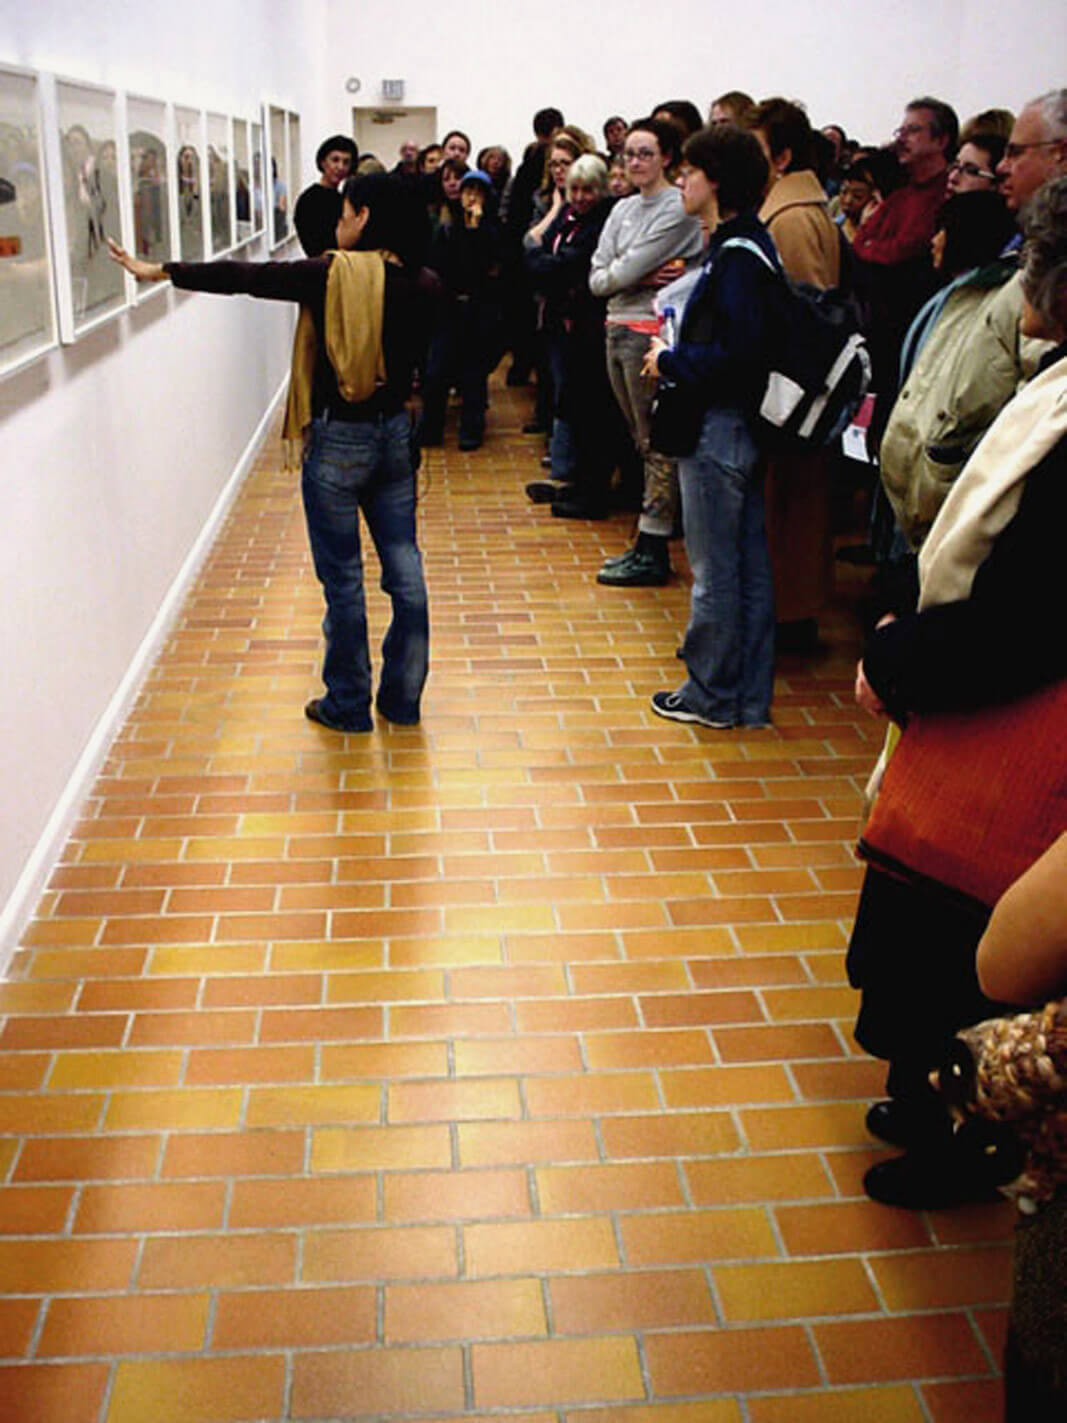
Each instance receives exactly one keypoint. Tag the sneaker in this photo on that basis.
(545, 491)
(637, 570)
(670, 705)
(315, 711)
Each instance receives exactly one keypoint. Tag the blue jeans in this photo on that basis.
(561, 442)
(729, 644)
(367, 467)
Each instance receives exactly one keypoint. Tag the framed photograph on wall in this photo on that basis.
(259, 209)
(279, 201)
(242, 182)
(220, 183)
(296, 166)
(27, 305)
(188, 177)
(83, 187)
(149, 141)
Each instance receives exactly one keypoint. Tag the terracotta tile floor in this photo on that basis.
(497, 1067)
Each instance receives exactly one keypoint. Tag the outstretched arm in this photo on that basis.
(143, 271)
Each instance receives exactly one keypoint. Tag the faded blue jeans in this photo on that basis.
(367, 467)
(729, 644)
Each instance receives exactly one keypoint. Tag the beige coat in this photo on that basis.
(796, 211)
(798, 485)
(972, 363)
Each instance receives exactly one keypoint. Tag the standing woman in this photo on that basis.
(720, 363)
(359, 335)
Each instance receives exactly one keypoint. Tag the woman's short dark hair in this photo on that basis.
(456, 133)
(1045, 253)
(667, 135)
(455, 166)
(546, 121)
(394, 214)
(785, 125)
(683, 112)
(732, 158)
(991, 144)
(340, 143)
(977, 226)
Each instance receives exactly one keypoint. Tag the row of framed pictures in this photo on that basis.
(80, 163)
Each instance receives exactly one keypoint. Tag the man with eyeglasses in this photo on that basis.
(892, 247)
(1037, 149)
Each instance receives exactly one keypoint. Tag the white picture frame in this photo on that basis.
(150, 147)
(259, 168)
(190, 170)
(242, 182)
(85, 179)
(28, 317)
(278, 188)
(220, 183)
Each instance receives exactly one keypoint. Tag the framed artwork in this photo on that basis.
(149, 144)
(220, 186)
(188, 177)
(296, 167)
(84, 184)
(27, 308)
(277, 177)
(259, 210)
(242, 182)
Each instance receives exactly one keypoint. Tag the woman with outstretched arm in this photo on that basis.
(361, 331)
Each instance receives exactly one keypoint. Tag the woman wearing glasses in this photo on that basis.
(975, 167)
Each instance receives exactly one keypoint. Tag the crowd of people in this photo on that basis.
(656, 264)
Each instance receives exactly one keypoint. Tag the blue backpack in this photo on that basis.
(819, 368)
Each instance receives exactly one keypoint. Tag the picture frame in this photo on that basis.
(296, 167)
(28, 317)
(150, 144)
(278, 196)
(85, 178)
(242, 182)
(220, 183)
(259, 167)
(189, 170)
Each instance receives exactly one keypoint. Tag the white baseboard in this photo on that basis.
(18, 910)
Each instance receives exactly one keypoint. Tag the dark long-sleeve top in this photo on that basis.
(465, 258)
(559, 265)
(1003, 641)
(408, 298)
(722, 347)
(315, 218)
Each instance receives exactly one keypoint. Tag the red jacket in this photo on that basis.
(901, 227)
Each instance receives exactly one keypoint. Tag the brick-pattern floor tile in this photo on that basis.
(500, 1066)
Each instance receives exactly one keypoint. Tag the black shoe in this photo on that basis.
(470, 442)
(671, 706)
(930, 1180)
(637, 570)
(314, 711)
(545, 491)
(577, 509)
(397, 718)
(801, 635)
(901, 1124)
(534, 427)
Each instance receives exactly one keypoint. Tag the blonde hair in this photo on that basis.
(590, 171)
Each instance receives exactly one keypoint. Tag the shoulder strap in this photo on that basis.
(749, 246)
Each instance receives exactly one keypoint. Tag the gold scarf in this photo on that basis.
(355, 302)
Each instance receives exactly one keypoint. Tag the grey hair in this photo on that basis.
(1045, 252)
(1053, 109)
(590, 171)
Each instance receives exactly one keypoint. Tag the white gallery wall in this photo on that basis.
(488, 67)
(116, 450)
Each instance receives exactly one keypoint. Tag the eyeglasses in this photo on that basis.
(1016, 150)
(906, 130)
(560, 162)
(972, 170)
(639, 155)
